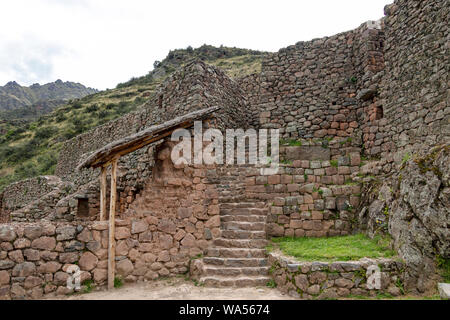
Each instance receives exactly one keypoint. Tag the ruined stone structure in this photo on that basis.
(369, 112)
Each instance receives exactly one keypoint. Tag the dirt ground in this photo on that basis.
(178, 289)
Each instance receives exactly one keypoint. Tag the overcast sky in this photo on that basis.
(100, 43)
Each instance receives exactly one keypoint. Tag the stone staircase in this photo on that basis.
(238, 257)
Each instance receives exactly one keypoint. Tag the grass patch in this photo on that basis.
(444, 268)
(341, 248)
(271, 284)
(118, 282)
(291, 142)
(88, 286)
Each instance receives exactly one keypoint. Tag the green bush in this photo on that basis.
(102, 114)
(92, 108)
(44, 133)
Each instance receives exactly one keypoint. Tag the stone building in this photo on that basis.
(369, 111)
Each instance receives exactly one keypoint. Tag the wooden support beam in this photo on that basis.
(103, 193)
(112, 226)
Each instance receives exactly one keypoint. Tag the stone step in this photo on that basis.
(235, 253)
(232, 205)
(247, 271)
(243, 234)
(242, 218)
(238, 243)
(244, 211)
(243, 281)
(243, 225)
(235, 262)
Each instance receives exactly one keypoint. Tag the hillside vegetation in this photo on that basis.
(28, 149)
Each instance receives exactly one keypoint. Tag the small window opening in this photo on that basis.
(378, 113)
(83, 207)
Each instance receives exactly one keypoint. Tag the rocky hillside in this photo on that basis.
(31, 148)
(17, 101)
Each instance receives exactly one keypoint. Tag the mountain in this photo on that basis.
(18, 101)
(31, 148)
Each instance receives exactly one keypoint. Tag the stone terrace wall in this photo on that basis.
(309, 89)
(414, 88)
(313, 193)
(321, 280)
(22, 193)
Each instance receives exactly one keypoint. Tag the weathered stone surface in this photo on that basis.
(68, 257)
(22, 243)
(167, 226)
(188, 241)
(165, 241)
(33, 231)
(122, 233)
(31, 254)
(100, 275)
(7, 233)
(139, 226)
(124, 267)
(213, 222)
(444, 290)
(4, 277)
(44, 243)
(88, 261)
(307, 153)
(85, 235)
(49, 267)
(32, 281)
(24, 269)
(65, 233)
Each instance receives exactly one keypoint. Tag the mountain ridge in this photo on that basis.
(14, 96)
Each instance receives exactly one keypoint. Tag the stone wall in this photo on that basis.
(313, 193)
(322, 280)
(310, 89)
(414, 88)
(412, 138)
(20, 194)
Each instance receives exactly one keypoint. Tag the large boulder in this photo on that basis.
(419, 216)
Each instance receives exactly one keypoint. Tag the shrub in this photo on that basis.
(60, 117)
(77, 105)
(103, 114)
(44, 133)
(92, 108)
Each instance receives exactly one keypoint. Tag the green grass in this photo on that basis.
(89, 285)
(387, 296)
(271, 284)
(291, 142)
(334, 163)
(342, 248)
(118, 282)
(444, 268)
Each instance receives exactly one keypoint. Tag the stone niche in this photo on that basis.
(308, 153)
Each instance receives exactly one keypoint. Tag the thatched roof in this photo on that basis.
(142, 138)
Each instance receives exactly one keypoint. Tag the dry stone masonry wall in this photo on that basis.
(331, 280)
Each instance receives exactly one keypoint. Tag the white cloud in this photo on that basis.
(103, 42)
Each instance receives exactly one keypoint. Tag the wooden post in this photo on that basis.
(112, 216)
(103, 193)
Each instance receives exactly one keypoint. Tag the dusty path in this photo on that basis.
(179, 289)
